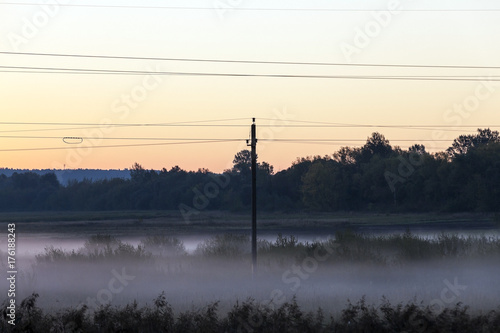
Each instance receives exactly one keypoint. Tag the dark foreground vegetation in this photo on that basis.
(249, 316)
(375, 177)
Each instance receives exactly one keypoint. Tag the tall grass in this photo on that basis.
(249, 316)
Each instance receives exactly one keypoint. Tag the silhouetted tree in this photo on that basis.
(377, 144)
(464, 143)
(346, 155)
(242, 162)
(417, 149)
(137, 173)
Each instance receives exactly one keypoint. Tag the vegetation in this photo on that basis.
(250, 316)
(346, 246)
(226, 246)
(96, 248)
(163, 245)
(386, 250)
(374, 177)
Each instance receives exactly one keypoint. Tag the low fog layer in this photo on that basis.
(324, 276)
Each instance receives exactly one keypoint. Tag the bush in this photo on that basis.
(226, 245)
(163, 245)
(100, 245)
(96, 248)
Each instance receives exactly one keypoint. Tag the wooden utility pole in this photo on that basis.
(253, 144)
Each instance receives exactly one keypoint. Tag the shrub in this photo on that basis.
(100, 245)
(163, 245)
(226, 245)
(96, 248)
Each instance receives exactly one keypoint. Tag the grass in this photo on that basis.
(249, 316)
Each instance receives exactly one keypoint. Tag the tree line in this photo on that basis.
(374, 177)
(66, 175)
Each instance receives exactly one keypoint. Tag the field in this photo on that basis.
(345, 272)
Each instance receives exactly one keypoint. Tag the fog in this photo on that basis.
(192, 280)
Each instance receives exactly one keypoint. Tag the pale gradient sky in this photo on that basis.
(426, 38)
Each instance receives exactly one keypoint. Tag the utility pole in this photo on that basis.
(253, 144)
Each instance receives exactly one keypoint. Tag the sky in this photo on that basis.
(395, 32)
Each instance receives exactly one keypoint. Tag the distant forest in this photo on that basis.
(68, 175)
(374, 177)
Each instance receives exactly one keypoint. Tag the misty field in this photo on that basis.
(347, 282)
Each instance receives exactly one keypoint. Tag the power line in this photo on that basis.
(204, 139)
(115, 146)
(174, 143)
(313, 124)
(344, 143)
(138, 125)
(94, 126)
(350, 140)
(255, 8)
(357, 77)
(316, 141)
(209, 121)
(244, 61)
(320, 124)
(365, 125)
(49, 129)
(180, 123)
(117, 138)
(375, 126)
